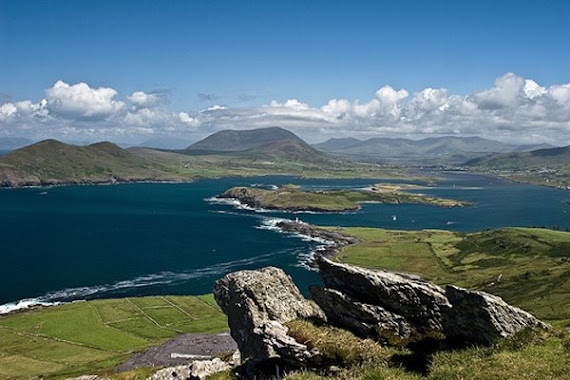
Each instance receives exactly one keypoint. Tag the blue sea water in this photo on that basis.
(84, 242)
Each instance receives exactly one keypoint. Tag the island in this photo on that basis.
(292, 198)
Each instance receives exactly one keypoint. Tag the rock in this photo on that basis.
(363, 319)
(418, 301)
(197, 370)
(258, 303)
(482, 317)
(85, 377)
(380, 304)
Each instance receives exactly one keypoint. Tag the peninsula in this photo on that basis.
(291, 198)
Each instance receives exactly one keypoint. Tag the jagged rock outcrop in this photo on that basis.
(258, 303)
(363, 319)
(420, 302)
(482, 317)
(381, 304)
(197, 370)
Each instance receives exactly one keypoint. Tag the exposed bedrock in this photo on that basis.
(383, 304)
(258, 303)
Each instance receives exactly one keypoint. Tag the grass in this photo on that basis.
(290, 198)
(530, 354)
(527, 267)
(95, 336)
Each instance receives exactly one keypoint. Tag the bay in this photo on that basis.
(84, 242)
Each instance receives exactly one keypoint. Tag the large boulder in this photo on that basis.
(481, 317)
(258, 303)
(363, 319)
(419, 301)
(382, 304)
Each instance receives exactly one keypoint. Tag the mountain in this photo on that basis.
(54, 162)
(336, 143)
(447, 149)
(164, 143)
(542, 158)
(269, 143)
(549, 167)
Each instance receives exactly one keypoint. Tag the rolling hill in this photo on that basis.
(541, 158)
(436, 150)
(549, 167)
(52, 162)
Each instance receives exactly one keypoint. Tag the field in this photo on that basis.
(95, 336)
(529, 268)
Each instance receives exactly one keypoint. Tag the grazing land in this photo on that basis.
(290, 198)
(528, 267)
(95, 336)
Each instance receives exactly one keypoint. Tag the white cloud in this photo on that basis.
(187, 119)
(142, 99)
(79, 101)
(513, 109)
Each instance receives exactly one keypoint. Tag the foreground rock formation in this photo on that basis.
(390, 306)
(258, 304)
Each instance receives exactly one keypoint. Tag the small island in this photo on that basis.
(292, 198)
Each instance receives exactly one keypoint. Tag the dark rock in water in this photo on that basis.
(420, 302)
(380, 304)
(482, 317)
(363, 319)
(258, 303)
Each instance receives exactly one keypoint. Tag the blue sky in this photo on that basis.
(245, 54)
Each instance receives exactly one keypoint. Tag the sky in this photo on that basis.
(176, 71)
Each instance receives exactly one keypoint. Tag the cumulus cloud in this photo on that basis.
(513, 109)
(142, 99)
(79, 101)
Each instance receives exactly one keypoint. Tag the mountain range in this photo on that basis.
(433, 150)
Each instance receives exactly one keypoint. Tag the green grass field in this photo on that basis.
(95, 336)
(529, 268)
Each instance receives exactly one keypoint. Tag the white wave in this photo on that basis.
(161, 278)
(234, 203)
(305, 258)
(23, 305)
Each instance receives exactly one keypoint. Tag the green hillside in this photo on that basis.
(96, 336)
(53, 162)
(544, 166)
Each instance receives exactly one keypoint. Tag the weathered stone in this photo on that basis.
(419, 301)
(481, 317)
(197, 370)
(363, 319)
(375, 302)
(258, 303)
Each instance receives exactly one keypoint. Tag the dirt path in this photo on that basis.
(181, 350)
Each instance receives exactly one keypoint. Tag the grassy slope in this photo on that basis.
(95, 336)
(533, 264)
(333, 200)
(253, 164)
(51, 161)
(549, 167)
